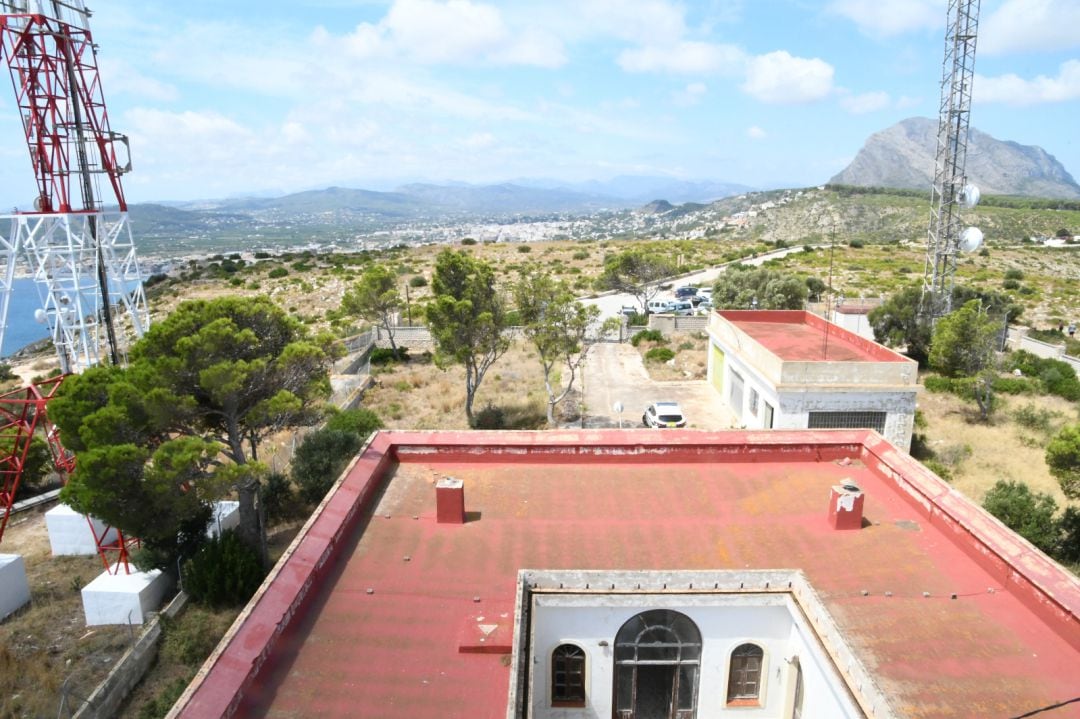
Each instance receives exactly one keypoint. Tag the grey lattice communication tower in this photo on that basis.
(81, 255)
(950, 183)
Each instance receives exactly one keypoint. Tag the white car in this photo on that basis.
(663, 414)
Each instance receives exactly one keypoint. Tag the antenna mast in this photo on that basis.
(950, 189)
(81, 254)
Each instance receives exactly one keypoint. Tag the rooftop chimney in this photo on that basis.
(450, 501)
(846, 506)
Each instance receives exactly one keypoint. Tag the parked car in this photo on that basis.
(663, 414)
(657, 307)
(685, 292)
(681, 308)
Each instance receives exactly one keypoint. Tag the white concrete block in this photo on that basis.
(69, 532)
(14, 590)
(124, 598)
(226, 516)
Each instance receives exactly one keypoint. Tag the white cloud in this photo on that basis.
(1014, 90)
(890, 17)
(780, 78)
(1023, 25)
(691, 94)
(119, 77)
(867, 102)
(451, 31)
(685, 57)
(478, 141)
(756, 133)
(646, 22)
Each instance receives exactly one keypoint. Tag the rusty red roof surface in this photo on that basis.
(800, 336)
(369, 611)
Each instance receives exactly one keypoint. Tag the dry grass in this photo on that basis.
(1004, 449)
(47, 642)
(690, 361)
(419, 395)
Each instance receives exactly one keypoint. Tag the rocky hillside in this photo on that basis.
(903, 156)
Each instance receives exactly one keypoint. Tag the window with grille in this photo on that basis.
(568, 676)
(848, 420)
(744, 674)
(753, 401)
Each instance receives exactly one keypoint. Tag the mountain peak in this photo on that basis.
(903, 156)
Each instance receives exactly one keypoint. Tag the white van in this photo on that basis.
(657, 307)
(680, 308)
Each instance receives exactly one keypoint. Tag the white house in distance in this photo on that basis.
(790, 369)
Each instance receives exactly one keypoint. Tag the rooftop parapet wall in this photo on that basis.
(797, 348)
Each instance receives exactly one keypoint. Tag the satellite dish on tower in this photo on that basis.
(40, 316)
(971, 239)
(970, 196)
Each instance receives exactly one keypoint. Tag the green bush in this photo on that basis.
(490, 417)
(468, 241)
(320, 459)
(648, 336)
(855, 244)
(659, 354)
(1014, 274)
(524, 248)
(636, 319)
(580, 255)
(361, 422)
(190, 639)
(1011, 284)
(1017, 385)
(939, 468)
(1028, 514)
(277, 272)
(418, 281)
(278, 497)
(1034, 418)
(225, 572)
(384, 355)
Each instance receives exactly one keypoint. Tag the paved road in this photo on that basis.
(615, 373)
(611, 304)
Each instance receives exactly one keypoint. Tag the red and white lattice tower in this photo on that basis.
(80, 254)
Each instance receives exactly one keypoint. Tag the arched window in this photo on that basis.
(744, 674)
(657, 658)
(568, 676)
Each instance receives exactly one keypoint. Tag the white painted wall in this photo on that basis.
(725, 621)
(792, 404)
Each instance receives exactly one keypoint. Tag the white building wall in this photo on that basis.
(725, 621)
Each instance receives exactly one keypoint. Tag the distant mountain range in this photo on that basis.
(903, 156)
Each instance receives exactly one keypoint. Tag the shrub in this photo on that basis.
(6, 373)
(361, 422)
(636, 319)
(1034, 418)
(524, 248)
(855, 244)
(1011, 284)
(468, 241)
(580, 255)
(418, 281)
(939, 468)
(490, 417)
(1017, 385)
(277, 272)
(688, 345)
(225, 572)
(1068, 549)
(648, 336)
(659, 354)
(1028, 514)
(1014, 274)
(384, 355)
(278, 497)
(262, 255)
(319, 460)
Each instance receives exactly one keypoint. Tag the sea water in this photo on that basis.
(22, 329)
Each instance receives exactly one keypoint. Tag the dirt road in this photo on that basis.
(615, 373)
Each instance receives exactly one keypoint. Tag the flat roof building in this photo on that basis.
(790, 369)
(644, 573)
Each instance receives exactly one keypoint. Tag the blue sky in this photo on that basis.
(227, 98)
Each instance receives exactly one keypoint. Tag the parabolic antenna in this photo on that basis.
(971, 239)
(970, 196)
(40, 316)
